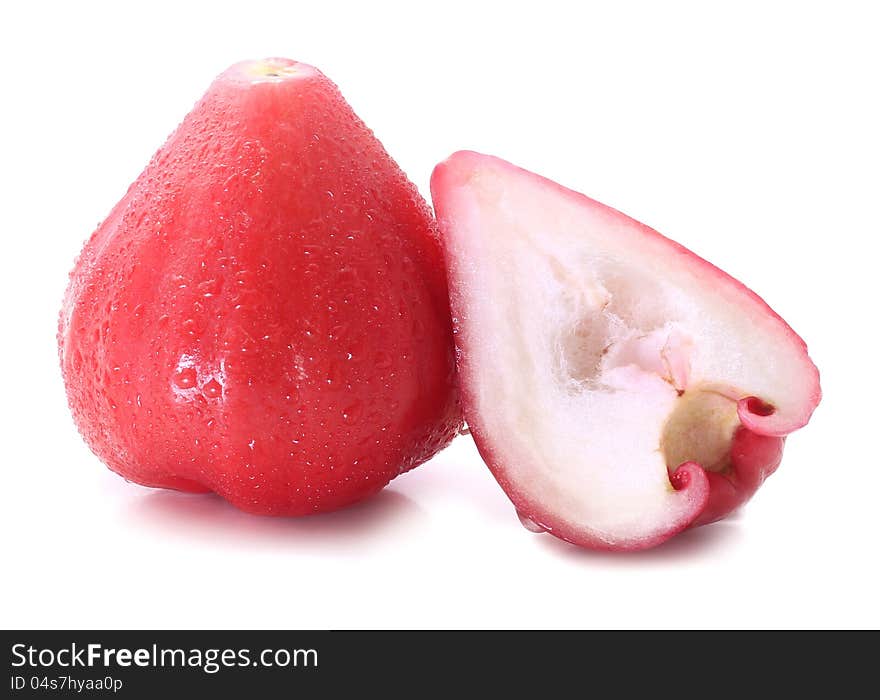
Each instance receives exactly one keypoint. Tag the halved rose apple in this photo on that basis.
(619, 387)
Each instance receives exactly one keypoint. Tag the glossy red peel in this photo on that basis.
(620, 388)
(264, 314)
(753, 458)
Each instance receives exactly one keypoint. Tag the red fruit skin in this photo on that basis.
(753, 457)
(756, 450)
(264, 314)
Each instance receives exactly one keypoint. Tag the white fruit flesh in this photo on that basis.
(597, 353)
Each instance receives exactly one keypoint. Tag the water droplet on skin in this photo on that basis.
(209, 288)
(185, 377)
(333, 374)
(530, 524)
(338, 330)
(353, 411)
(212, 389)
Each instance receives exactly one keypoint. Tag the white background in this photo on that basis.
(749, 134)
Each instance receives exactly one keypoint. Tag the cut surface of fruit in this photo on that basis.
(264, 314)
(619, 387)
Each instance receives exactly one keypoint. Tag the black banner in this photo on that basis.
(134, 664)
